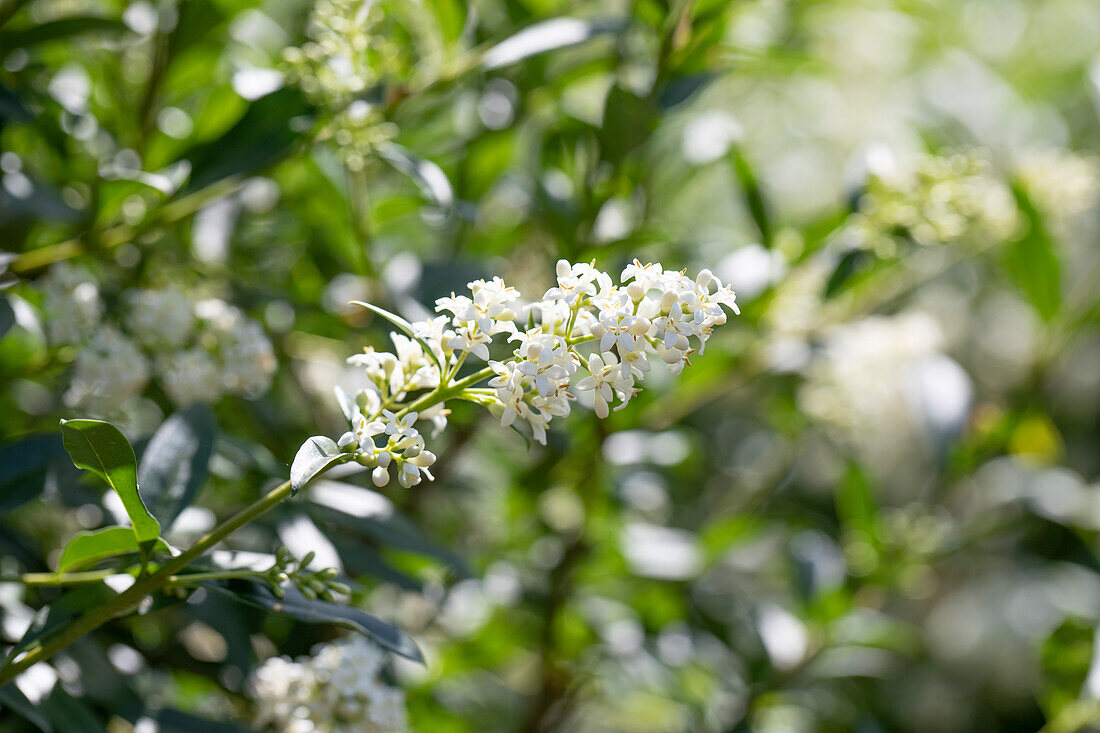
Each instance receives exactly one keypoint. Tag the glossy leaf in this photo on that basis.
(369, 513)
(405, 327)
(296, 605)
(547, 35)
(100, 447)
(315, 456)
(97, 544)
(754, 196)
(174, 465)
(262, 137)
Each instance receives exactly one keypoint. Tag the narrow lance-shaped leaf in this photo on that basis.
(405, 327)
(296, 605)
(88, 547)
(315, 456)
(174, 465)
(100, 447)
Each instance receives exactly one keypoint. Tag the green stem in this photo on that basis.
(90, 576)
(442, 394)
(131, 597)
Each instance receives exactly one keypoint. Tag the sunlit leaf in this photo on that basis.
(100, 447)
(547, 35)
(91, 546)
(1033, 263)
(314, 457)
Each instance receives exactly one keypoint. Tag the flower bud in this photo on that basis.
(384, 459)
(635, 291)
(380, 476)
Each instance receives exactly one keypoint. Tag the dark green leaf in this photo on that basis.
(17, 702)
(369, 513)
(50, 619)
(850, 264)
(68, 714)
(628, 122)
(315, 456)
(754, 197)
(12, 108)
(94, 545)
(23, 465)
(294, 604)
(59, 29)
(100, 447)
(7, 316)
(177, 721)
(262, 137)
(174, 465)
(1033, 262)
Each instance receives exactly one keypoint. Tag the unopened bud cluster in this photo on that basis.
(313, 584)
(588, 334)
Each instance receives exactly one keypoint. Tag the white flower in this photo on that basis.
(109, 370)
(337, 690)
(160, 318)
(71, 304)
(585, 319)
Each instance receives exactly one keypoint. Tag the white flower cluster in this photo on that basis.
(200, 350)
(336, 690)
(587, 335)
(1062, 184)
(883, 384)
(71, 303)
(946, 200)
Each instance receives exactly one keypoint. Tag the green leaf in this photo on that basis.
(428, 177)
(174, 465)
(23, 465)
(100, 447)
(264, 135)
(855, 501)
(369, 513)
(17, 702)
(628, 122)
(94, 545)
(315, 456)
(754, 196)
(547, 35)
(851, 263)
(405, 327)
(296, 605)
(1033, 262)
(58, 29)
(177, 721)
(451, 16)
(68, 714)
(1065, 658)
